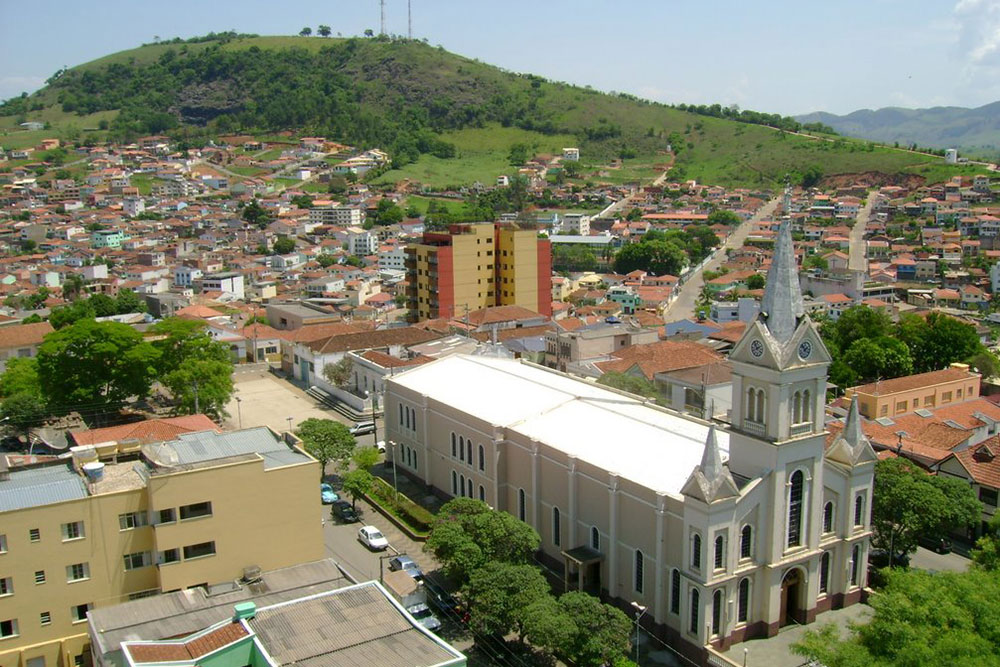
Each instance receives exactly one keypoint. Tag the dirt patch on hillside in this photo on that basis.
(872, 179)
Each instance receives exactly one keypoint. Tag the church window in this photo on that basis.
(855, 564)
(859, 511)
(693, 621)
(828, 517)
(696, 551)
(746, 542)
(716, 612)
(743, 601)
(675, 592)
(824, 572)
(795, 492)
(720, 552)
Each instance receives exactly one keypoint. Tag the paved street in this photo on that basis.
(683, 306)
(925, 559)
(858, 246)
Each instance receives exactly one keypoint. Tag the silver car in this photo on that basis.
(425, 616)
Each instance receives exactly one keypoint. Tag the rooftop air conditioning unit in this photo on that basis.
(251, 573)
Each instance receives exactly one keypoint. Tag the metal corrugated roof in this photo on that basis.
(40, 486)
(193, 448)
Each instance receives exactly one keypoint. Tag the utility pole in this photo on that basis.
(382, 6)
(409, 19)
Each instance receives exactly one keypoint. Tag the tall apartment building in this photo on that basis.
(336, 215)
(475, 266)
(197, 510)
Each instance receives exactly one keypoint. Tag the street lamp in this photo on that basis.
(374, 398)
(640, 610)
(239, 410)
(289, 423)
(395, 485)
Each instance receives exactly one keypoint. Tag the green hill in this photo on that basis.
(444, 118)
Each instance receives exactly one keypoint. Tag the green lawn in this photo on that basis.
(143, 182)
(248, 171)
(421, 204)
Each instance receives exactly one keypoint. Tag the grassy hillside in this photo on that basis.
(446, 119)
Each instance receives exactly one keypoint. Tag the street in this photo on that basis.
(858, 247)
(682, 307)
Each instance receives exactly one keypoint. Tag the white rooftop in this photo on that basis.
(613, 431)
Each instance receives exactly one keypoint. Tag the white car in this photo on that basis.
(372, 538)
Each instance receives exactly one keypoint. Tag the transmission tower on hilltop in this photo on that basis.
(382, 7)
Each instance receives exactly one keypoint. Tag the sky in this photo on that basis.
(776, 56)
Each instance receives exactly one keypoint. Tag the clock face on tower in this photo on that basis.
(756, 347)
(805, 349)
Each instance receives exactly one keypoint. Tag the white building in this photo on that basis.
(361, 242)
(572, 154)
(133, 206)
(184, 276)
(228, 283)
(577, 224)
(336, 215)
(722, 532)
(951, 156)
(392, 259)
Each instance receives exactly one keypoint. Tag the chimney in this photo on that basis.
(244, 611)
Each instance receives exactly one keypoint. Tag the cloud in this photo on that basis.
(978, 45)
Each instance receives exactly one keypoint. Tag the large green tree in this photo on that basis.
(357, 483)
(327, 440)
(909, 503)
(882, 357)
(177, 340)
(656, 257)
(938, 340)
(20, 377)
(95, 366)
(498, 594)
(855, 323)
(986, 555)
(201, 386)
(602, 631)
(945, 618)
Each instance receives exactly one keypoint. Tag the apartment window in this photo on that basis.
(8, 629)
(77, 572)
(928, 401)
(196, 510)
(595, 538)
(746, 542)
(716, 612)
(859, 510)
(824, 572)
(72, 531)
(988, 496)
(6, 586)
(137, 560)
(199, 550)
(35, 535)
(39, 576)
(166, 515)
(131, 520)
(638, 571)
(78, 612)
(556, 537)
(675, 592)
(482, 458)
(696, 552)
(520, 503)
(795, 509)
(946, 397)
(743, 601)
(45, 618)
(3, 544)
(170, 556)
(693, 620)
(828, 517)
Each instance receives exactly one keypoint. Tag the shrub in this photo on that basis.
(413, 514)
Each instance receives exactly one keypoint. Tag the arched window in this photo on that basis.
(828, 517)
(675, 591)
(855, 564)
(693, 620)
(752, 404)
(413, 419)
(595, 538)
(859, 511)
(806, 406)
(454, 483)
(556, 538)
(796, 407)
(746, 542)
(743, 601)
(407, 412)
(468, 452)
(720, 552)
(482, 458)
(824, 572)
(461, 448)
(696, 551)
(461, 484)
(795, 509)
(469, 481)
(414, 459)
(520, 504)
(716, 611)
(400, 414)
(482, 493)
(760, 406)
(638, 571)
(454, 446)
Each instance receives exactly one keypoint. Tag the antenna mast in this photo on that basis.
(382, 6)
(409, 19)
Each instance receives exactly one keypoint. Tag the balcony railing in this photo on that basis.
(800, 429)
(754, 428)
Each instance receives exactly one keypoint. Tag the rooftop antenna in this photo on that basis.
(409, 19)
(382, 7)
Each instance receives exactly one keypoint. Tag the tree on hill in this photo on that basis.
(324, 31)
(284, 245)
(305, 32)
(327, 440)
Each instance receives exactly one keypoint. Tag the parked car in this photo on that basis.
(425, 616)
(342, 510)
(372, 538)
(327, 494)
(440, 598)
(362, 428)
(941, 545)
(407, 565)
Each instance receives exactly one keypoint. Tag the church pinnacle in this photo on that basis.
(782, 305)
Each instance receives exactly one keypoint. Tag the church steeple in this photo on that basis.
(782, 305)
(711, 480)
(851, 446)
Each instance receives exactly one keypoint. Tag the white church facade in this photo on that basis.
(721, 531)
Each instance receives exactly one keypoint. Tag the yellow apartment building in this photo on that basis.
(887, 398)
(203, 509)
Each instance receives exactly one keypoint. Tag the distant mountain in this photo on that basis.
(977, 130)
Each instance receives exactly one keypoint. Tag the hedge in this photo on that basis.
(413, 514)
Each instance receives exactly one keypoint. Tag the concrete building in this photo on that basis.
(361, 242)
(722, 533)
(742, 310)
(229, 282)
(897, 396)
(475, 266)
(151, 518)
(185, 276)
(335, 214)
(596, 341)
(109, 238)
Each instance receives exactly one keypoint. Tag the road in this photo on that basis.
(683, 306)
(858, 247)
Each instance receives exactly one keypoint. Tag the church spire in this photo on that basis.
(711, 459)
(782, 305)
(852, 427)
(711, 480)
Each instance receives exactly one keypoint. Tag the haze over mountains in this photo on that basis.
(976, 130)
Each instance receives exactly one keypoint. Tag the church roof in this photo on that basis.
(782, 305)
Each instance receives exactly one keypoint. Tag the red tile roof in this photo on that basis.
(982, 462)
(21, 335)
(660, 357)
(172, 651)
(918, 381)
(152, 430)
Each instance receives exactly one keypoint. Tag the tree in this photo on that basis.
(602, 631)
(467, 533)
(24, 410)
(63, 316)
(201, 386)
(908, 504)
(180, 340)
(630, 383)
(756, 281)
(256, 214)
(324, 31)
(811, 176)
(326, 440)
(365, 457)
(883, 357)
(938, 340)
(546, 626)
(284, 245)
(103, 305)
(498, 594)
(857, 322)
(920, 618)
(305, 32)
(986, 555)
(95, 365)
(302, 201)
(20, 377)
(387, 212)
(357, 483)
(339, 373)
(72, 286)
(128, 301)
(723, 217)
(656, 257)
(518, 154)
(369, 32)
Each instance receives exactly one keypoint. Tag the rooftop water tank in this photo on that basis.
(94, 471)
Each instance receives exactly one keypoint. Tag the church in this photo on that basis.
(720, 531)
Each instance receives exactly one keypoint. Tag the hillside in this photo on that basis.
(436, 112)
(976, 130)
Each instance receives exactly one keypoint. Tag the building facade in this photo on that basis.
(164, 517)
(475, 266)
(721, 533)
